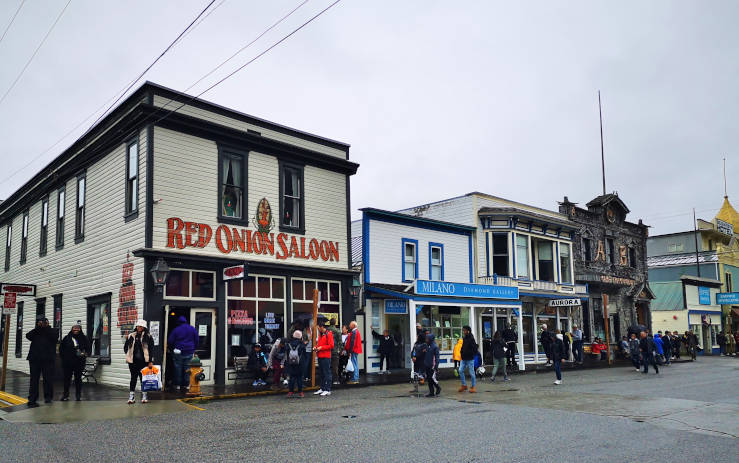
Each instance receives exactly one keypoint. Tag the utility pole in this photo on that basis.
(602, 154)
(313, 338)
(695, 235)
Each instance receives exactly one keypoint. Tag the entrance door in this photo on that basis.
(488, 329)
(204, 321)
(400, 332)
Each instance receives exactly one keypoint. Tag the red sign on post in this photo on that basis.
(9, 302)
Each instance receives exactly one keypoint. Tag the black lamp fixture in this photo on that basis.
(160, 272)
(356, 288)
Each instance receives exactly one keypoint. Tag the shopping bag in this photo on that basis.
(350, 366)
(151, 379)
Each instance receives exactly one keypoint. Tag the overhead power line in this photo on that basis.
(41, 44)
(11, 20)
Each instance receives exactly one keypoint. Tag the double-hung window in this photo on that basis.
(24, 237)
(522, 256)
(410, 259)
(632, 257)
(610, 251)
(132, 177)
(545, 262)
(500, 254)
(19, 330)
(79, 220)
(436, 261)
(587, 250)
(232, 183)
(44, 232)
(291, 198)
(7, 246)
(565, 269)
(729, 283)
(60, 202)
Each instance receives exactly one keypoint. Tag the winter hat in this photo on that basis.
(297, 334)
(544, 326)
(258, 345)
(141, 323)
(559, 336)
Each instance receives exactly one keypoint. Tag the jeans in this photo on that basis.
(38, 369)
(499, 363)
(668, 355)
(468, 365)
(181, 365)
(355, 375)
(558, 369)
(334, 366)
(635, 360)
(577, 350)
(324, 365)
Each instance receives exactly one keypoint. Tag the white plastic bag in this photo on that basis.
(151, 379)
(350, 366)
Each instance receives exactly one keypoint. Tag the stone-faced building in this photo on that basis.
(611, 258)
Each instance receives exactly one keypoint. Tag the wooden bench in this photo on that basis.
(240, 368)
(91, 366)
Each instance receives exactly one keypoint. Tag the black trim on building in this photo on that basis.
(300, 168)
(149, 212)
(44, 230)
(60, 221)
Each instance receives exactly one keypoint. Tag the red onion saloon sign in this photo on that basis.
(228, 239)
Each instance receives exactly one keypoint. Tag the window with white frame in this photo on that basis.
(564, 263)
(302, 299)
(60, 203)
(24, 237)
(500, 254)
(436, 267)
(7, 246)
(132, 177)
(522, 256)
(545, 260)
(190, 284)
(79, 221)
(410, 260)
(44, 234)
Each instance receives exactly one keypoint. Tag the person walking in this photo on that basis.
(277, 361)
(385, 349)
(73, 351)
(418, 356)
(721, 340)
(577, 344)
(293, 360)
(647, 348)
(658, 348)
(457, 355)
(431, 363)
(41, 355)
(510, 337)
(354, 347)
(336, 351)
(138, 349)
(499, 347)
(691, 342)
(731, 344)
(469, 349)
(183, 340)
(558, 354)
(344, 357)
(635, 352)
(677, 342)
(667, 346)
(546, 343)
(324, 346)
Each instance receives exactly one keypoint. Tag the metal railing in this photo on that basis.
(536, 285)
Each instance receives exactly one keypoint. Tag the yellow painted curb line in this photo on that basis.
(11, 399)
(182, 401)
(239, 395)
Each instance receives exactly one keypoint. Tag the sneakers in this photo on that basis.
(131, 398)
(301, 395)
(255, 383)
(492, 379)
(472, 390)
(262, 382)
(430, 395)
(325, 393)
(65, 398)
(289, 394)
(144, 398)
(637, 369)
(506, 379)
(558, 382)
(318, 392)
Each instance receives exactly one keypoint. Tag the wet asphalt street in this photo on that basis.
(689, 412)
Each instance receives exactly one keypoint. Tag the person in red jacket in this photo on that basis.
(353, 347)
(324, 346)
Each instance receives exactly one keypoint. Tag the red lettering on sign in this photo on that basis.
(205, 233)
(333, 250)
(314, 249)
(302, 247)
(294, 252)
(269, 243)
(174, 235)
(324, 250)
(219, 241)
(282, 252)
(233, 271)
(238, 239)
(191, 229)
(256, 242)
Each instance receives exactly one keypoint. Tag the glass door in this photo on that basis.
(488, 330)
(204, 321)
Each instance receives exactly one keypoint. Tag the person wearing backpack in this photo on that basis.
(293, 357)
(277, 361)
(469, 349)
(647, 347)
(431, 363)
(418, 355)
(324, 346)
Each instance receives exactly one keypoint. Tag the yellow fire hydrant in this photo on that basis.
(196, 375)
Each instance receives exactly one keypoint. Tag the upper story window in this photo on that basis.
(675, 247)
(292, 201)
(44, 232)
(79, 220)
(610, 251)
(132, 177)
(231, 190)
(632, 257)
(7, 246)
(24, 237)
(565, 269)
(587, 250)
(500, 254)
(522, 256)
(436, 261)
(410, 259)
(729, 283)
(60, 200)
(545, 260)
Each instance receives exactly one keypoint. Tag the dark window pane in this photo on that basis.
(264, 288)
(500, 265)
(242, 328)
(323, 288)
(250, 287)
(272, 320)
(334, 294)
(278, 288)
(297, 289)
(234, 288)
(202, 284)
(178, 284)
(309, 287)
(500, 243)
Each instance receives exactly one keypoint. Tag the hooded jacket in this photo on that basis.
(457, 352)
(497, 346)
(43, 344)
(469, 347)
(658, 345)
(431, 359)
(70, 345)
(354, 342)
(387, 344)
(184, 337)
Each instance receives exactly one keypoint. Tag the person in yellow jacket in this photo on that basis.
(457, 356)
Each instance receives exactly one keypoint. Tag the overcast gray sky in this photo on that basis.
(436, 98)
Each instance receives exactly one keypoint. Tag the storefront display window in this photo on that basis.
(330, 298)
(599, 329)
(190, 284)
(445, 322)
(528, 320)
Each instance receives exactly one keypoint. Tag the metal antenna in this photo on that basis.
(726, 194)
(602, 155)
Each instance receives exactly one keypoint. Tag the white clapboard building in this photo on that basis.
(199, 189)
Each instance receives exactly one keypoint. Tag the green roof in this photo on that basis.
(668, 295)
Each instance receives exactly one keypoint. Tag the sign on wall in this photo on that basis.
(727, 298)
(128, 311)
(234, 273)
(8, 303)
(724, 227)
(396, 306)
(18, 289)
(704, 295)
(564, 302)
(443, 288)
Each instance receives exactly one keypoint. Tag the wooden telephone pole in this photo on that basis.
(316, 294)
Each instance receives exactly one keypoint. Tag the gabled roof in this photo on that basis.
(727, 213)
(668, 295)
(604, 200)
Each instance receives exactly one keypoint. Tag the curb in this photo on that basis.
(238, 395)
(10, 400)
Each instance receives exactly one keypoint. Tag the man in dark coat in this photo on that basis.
(647, 348)
(469, 349)
(385, 349)
(40, 358)
(546, 343)
(510, 338)
(73, 350)
(431, 363)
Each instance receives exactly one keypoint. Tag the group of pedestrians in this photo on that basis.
(727, 342)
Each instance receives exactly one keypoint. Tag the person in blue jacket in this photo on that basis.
(431, 363)
(659, 346)
(183, 340)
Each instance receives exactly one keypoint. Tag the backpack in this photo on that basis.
(293, 355)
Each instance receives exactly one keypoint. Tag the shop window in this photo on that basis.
(19, 330)
(610, 256)
(231, 192)
(302, 307)
(57, 322)
(79, 217)
(587, 250)
(545, 260)
(44, 233)
(565, 270)
(632, 257)
(410, 259)
(522, 256)
(445, 323)
(24, 237)
(436, 261)
(190, 284)
(8, 241)
(500, 254)
(60, 206)
(41, 307)
(599, 329)
(292, 202)
(98, 326)
(132, 177)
